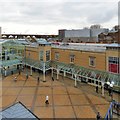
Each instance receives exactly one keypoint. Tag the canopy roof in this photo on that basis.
(87, 73)
(18, 110)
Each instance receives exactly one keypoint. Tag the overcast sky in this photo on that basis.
(48, 16)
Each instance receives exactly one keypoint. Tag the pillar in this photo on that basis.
(44, 72)
(75, 80)
(44, 76)
(31, 71)
(57, 74)
(72, 75)
(102, 89)
(64, 73)
(52, 72)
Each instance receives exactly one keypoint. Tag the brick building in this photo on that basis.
(92, 63)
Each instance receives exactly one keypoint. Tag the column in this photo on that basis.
(44, 72)
(72, 75)
(44, 76)
(64, 73)
(31, 70)
(75, 80)
(57, 74)
(103, 89)
(52, 72)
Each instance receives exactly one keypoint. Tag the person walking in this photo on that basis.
(15, 79)
(97, 89)
(98, 117)
(46, 101)
(38, 80)
(52, 79)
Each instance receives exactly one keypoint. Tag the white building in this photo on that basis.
(0, 33)
(81, 35)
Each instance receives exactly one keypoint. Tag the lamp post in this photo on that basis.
(110, 89)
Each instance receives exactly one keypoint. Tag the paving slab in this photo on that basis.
(61, 100)
(64, 112)
(79, 100)
(44, 112)
(44, 90)
(84, 112)
(26, 100)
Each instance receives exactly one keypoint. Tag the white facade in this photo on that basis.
(77, 33)
(84, 35)
(0, 33)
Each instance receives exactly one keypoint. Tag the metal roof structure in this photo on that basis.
(87, 73)
(18, 110)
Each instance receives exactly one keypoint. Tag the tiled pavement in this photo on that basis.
(65, 101)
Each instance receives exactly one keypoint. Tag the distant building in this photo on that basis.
(0, 33)
(81, 35)
(110, 37)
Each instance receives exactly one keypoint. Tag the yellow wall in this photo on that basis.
(34, 52)
(81, 58)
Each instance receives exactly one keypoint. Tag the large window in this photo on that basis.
(57, 56)
(48, 55)
(41, 55)
(72, 58)
(92, 61)
(114, 64)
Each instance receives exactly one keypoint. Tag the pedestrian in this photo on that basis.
(97, 89)
(19, 72)
(46, 101)
(11, 72)
(109, 90)
(38, 79)
(98, 117)
(52, 79)
(26, 76)
(15, 79)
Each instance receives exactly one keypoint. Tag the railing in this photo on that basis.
(113, 109)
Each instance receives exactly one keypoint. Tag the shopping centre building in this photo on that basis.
(95, 64)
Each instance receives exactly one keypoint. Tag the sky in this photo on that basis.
(48, 16)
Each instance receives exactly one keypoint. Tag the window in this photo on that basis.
(57, 56)
(41, 55)
(72, 58)
(48, 55)
(113, 64)
(92, 61)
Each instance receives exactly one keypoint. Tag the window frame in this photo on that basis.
(94, 61)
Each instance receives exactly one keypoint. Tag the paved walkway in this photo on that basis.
(65, 101)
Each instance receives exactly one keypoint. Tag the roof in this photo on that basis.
(17, 110)
(42, 41)
(86, 46)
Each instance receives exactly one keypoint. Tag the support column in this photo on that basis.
(44, 72)
(64, 73)
(57, 74)
(72, 75)
(75, 80)
(31, 70)
(44, 76)
(103, 89)
(52, 72)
